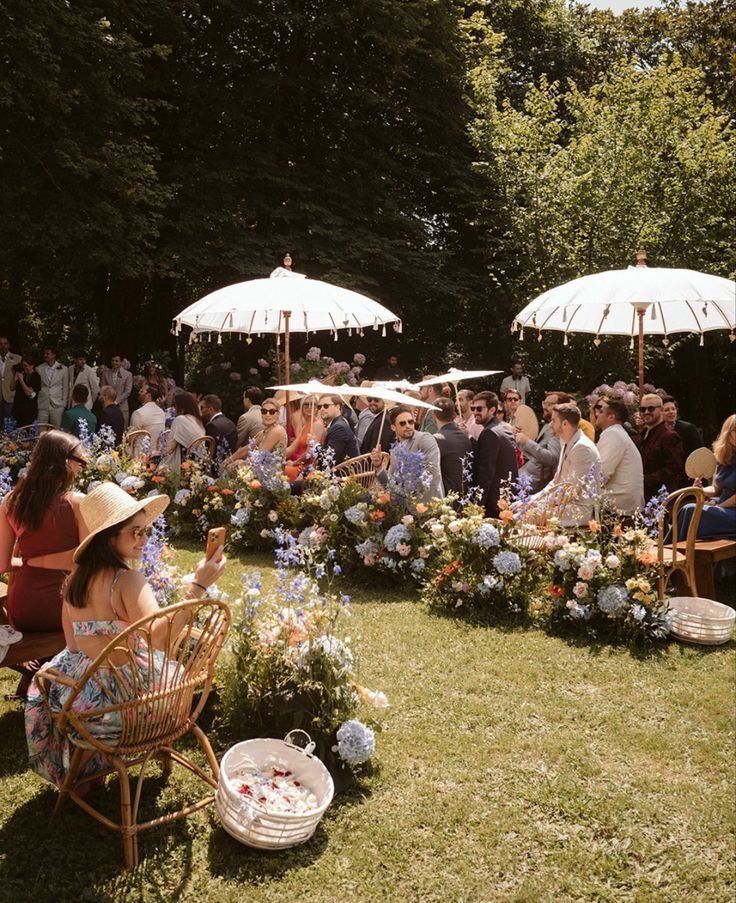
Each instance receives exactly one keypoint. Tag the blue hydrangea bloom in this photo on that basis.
(487, 585)
(639, 612)
(580, 611)
(355, 515)
(417, 565)
(507, 563)
(395, 535)
(355, 742)
(367, 548)
(612, 599)
(486, 536)
(181, 496)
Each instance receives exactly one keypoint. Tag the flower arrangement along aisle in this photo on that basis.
(291, 665)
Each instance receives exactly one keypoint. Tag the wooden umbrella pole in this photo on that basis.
(278, 359)
(457, 398)
(640, 312)
(287, 367)
(383, 423)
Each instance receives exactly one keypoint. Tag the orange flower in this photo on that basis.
(617, 530)
(384, 499)
(227, 492)
(422, 508)
(212, 489)
(449, 568)
(378, 515)
(557, 591)
(593, 526)
(186, 465)
(255, 484)
(502, 504)
(647, 558)
(506, 514)
(158, 479)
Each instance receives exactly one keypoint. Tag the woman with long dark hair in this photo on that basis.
(102, 597)
(187, 427)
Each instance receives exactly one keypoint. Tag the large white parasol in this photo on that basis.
(455, 376)
(640, 299)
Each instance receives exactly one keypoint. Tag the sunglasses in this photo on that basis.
(269, 411)
(477, 407)
(139, 532)
(373, 399)
(648, 409)
(324, 406)
(76, 459)
(404, 423)
(598, 407)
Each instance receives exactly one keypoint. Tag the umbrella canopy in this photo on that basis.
(455, 376)
(313, 387)
(279, 305)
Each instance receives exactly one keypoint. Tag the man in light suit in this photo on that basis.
(8, 363)
(568, 496)
(623, 472)
(121, 380)
(54, 394)
(81, 374)
(408, 437)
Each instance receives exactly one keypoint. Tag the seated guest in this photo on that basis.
(660, 449)
(567, 496)
(623, 473)
(495, 451)
(719, 514)
(27, 387)
(511, 401)
(454, 446)
(299, 453)
(217, 425)
(250, 422)
(688, 432)
(541, 456)
(408, 437)
(365, 416)
(372, 439)
(111, 414)
(338, 435)
(186, 428)
(465, 418)
(585, 425)
(42, 515)
(79, 411)
(149, 416)
(272, 438)
(103, 597)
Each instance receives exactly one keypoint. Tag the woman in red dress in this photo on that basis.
(40, 520)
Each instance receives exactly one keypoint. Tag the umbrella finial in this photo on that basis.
(287, 261)
(641, 256)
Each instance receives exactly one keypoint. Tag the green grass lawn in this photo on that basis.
(513, 765)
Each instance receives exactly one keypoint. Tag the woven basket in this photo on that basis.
(701, 620)
(249, 822)
(531, 536)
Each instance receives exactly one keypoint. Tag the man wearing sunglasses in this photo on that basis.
(338, 435)
(660, 447)
(376, 436)
(403, 425)
(495, 454)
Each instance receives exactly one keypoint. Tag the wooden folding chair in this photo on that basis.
(679, 554)
(133, 444)
(156, 695)
(202, 450)
(360, 469)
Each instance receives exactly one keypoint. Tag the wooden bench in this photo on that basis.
(33, 645)
(708, 552)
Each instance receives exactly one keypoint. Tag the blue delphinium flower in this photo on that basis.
(355, 515)
(267, 467)
(240, 518)
(507, 563)
(417, 565)
(355, 742)
(486, 536)
(613, 599)
(409, 475)
(6, 482)
(157, 574)
(654, 510)
(106, 435)
(84, 436)
(395, 535)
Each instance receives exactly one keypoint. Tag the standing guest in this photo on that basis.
(465, 418)
(718, 518)
(28, 385)
(516, 381)
(9, 363)
(217, 425)
(408, 437)
(121, 380)
(495, 453)
(77, 412)
(251, 421)
(149, 416)
(430, 394)
(42, 516)
(568, 495)
(339, 437)
(81, 374)
(154, 376)
(660, 448)
(111, 415)
(454, 445)
(186, 428)
(543, 455)
(390, 371)
(688, 432)
(623, 473)
(372, 439)
(54, 392)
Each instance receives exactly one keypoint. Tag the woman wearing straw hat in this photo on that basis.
(102, 597)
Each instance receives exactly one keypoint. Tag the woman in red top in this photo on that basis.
(40, 519)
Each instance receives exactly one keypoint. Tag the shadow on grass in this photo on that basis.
(13, 752)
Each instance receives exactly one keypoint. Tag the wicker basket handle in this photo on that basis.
(310, 745)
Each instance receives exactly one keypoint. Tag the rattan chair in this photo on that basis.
(202, 450)
(360, 469)
(26, 435)
(133, 443)
(679, 554)
(157, 695)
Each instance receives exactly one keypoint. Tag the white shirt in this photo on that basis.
(623, 474)
(149, 417)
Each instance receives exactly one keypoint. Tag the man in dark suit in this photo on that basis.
(111, 414)
(372, 438)
(221, 428)
(338, 436)
(495, 453)
(454, 445)
(660, 447)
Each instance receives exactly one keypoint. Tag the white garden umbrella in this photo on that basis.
(456, 376)
(640, 299)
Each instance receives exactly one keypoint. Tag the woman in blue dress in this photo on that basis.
(719, 514)
(102, 597)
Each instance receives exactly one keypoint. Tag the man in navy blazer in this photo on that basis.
(495, 453)
(372, 437)
(220, 427)
(338, 436)
(453, 443)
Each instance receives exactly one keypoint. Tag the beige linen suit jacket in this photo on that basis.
(577, 458)
(7, 383)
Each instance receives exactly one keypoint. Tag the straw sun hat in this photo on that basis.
(108, 505)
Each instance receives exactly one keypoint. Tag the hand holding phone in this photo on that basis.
(215, 539)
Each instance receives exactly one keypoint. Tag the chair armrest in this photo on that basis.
(54, 676)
